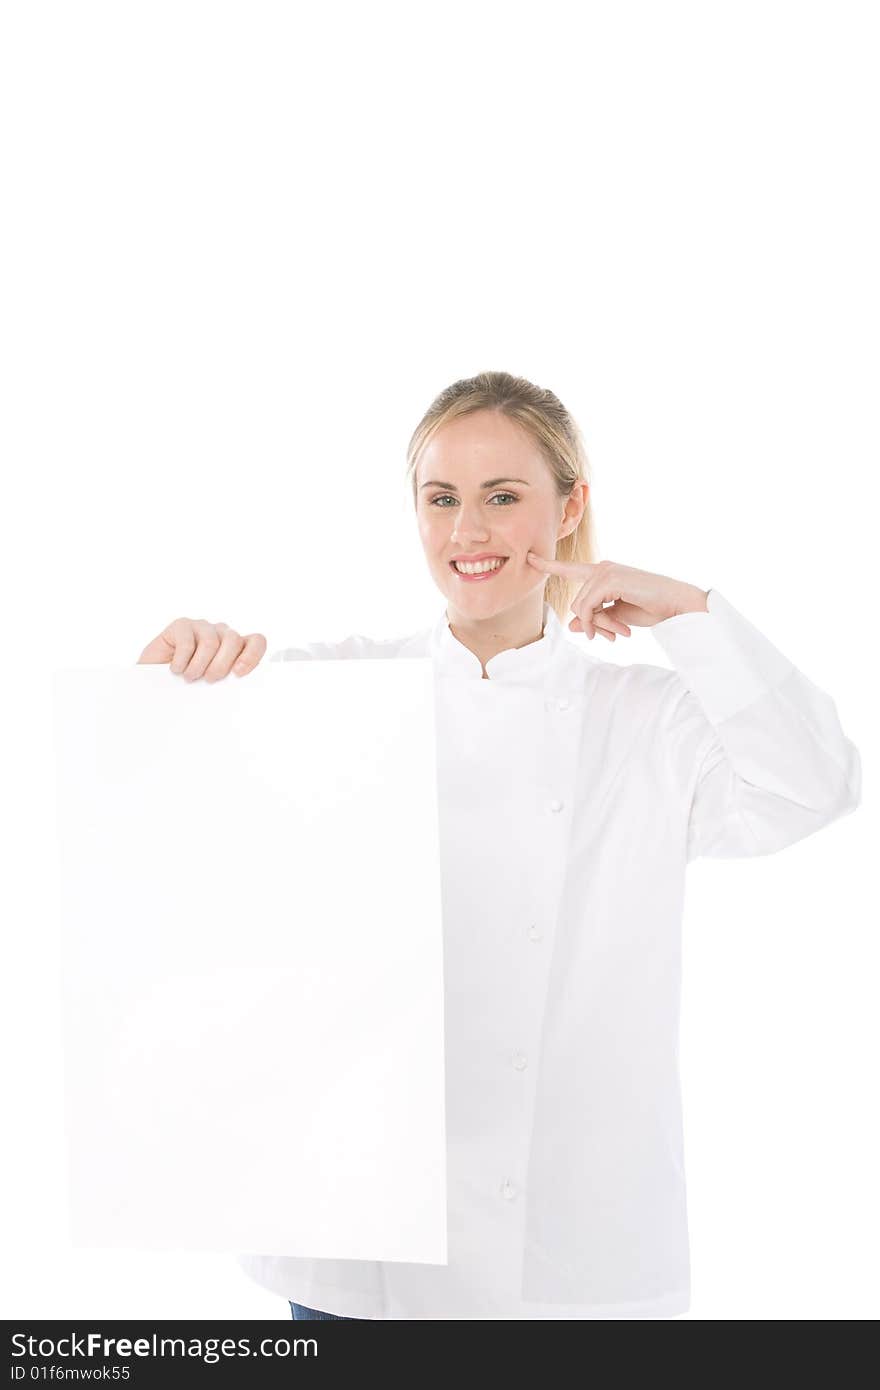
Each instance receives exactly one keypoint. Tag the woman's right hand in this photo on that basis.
(197, 648)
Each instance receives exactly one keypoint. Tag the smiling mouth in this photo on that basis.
(494, 570)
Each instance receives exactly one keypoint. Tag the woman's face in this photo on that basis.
(458, 514)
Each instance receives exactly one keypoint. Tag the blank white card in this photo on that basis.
(252, 963)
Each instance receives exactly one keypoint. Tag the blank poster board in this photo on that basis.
(252, 961)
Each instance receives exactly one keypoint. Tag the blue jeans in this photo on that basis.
(300, 1311)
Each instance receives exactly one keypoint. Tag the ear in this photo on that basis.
(574, 509)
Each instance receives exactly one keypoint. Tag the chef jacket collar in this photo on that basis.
(514, 664)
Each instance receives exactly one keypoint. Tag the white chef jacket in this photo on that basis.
(572, 792)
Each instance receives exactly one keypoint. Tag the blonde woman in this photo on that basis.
(573, 792)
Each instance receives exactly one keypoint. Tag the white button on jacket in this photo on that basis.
(572, 794)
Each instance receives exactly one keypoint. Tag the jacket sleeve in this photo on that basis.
(770, 763)
(356, 645)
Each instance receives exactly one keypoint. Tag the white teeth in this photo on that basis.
(480, 568)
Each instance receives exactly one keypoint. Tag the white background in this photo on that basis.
(244, 246)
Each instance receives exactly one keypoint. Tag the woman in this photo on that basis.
(572, 793)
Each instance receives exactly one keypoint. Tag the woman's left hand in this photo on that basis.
(635, 597)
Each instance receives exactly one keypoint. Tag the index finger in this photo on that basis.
(557, 566)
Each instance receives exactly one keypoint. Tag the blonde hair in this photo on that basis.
(557, 436)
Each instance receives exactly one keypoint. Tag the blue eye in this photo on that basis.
(442, 495)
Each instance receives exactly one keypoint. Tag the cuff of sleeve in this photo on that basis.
(721, 657)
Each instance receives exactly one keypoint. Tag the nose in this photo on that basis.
(468, 528)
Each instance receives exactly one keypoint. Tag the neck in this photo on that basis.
(513, 627)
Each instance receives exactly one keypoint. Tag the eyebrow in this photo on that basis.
(493, 482)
